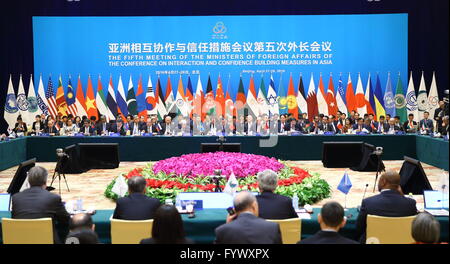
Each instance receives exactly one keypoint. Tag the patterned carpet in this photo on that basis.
(91, 185)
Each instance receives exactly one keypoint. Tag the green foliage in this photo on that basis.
(310, 191)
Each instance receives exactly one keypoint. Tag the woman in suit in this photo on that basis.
(20, 126)
(167, 227)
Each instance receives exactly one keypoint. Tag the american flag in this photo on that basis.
(51, 99)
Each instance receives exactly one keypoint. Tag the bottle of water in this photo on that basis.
(79, 206)
(178, 202)
(295, 201)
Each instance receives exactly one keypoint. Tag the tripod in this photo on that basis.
(379, 169)
(57, 174)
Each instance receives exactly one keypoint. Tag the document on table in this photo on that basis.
(437, 212)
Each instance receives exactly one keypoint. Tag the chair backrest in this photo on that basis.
(291, 229)
(27, 231)
(130, 231)
(389, 230)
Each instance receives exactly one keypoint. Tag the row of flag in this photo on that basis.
(113, 102)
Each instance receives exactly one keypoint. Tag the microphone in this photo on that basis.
(364, 196)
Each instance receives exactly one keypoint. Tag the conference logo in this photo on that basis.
(422, 101)
(399, 101)
(11, 105)
(411, 101)
(389, 100)
(22, 102)
(32, 104)
(433, 102)
(219, 31)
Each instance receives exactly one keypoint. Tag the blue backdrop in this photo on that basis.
(113, 45)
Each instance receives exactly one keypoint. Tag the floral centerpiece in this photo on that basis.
(190, 173)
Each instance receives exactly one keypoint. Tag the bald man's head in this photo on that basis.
(81, 221)
(389, 180)
(245, 201)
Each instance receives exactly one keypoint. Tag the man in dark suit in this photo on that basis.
(102, 126)
(136, 126)
(136, 206)
(282, 124)
(410, 126)
(426, 124)
(37, 202)
(245, 227)
(390, 202)
(250, 126)
(50, 128)
(118, 127)
(87, 129)
(331, 219)
(167, 127)
(271, 205)
(392, 128)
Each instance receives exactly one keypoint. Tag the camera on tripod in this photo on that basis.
(61, 163)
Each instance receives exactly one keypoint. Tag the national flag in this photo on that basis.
(311, 99)
(50, 96)
(360, 98)
(189, 96)
(70, 99)
(80, 101)
(240, 97)
(282, 98)
(331, 100)
(340, 97)
(60, 99)
(209, 106)
(389, 103)
(122, 107)
(263, 106)
(368, 97)
(131, 99)
(199, 100)
(150, 98)
(291, 99)
(345, 184)
(350, 96)
(140, 99)
(321, 101)
(422, 99)
(33, 107)
(91, 106)
(160, 105)
(411, 100)
(111, 100)
(251, 98)
(41, 100)
(378, 98)
(229, 104)
(180, 99)
(272, 98)
(169, 100)
(100, 100)
(433, 99)
(11, 111)
(220, 98)
(301, 98)
(400, 102)
(22, 103)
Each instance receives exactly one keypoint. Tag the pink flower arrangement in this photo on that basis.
(193, 165)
